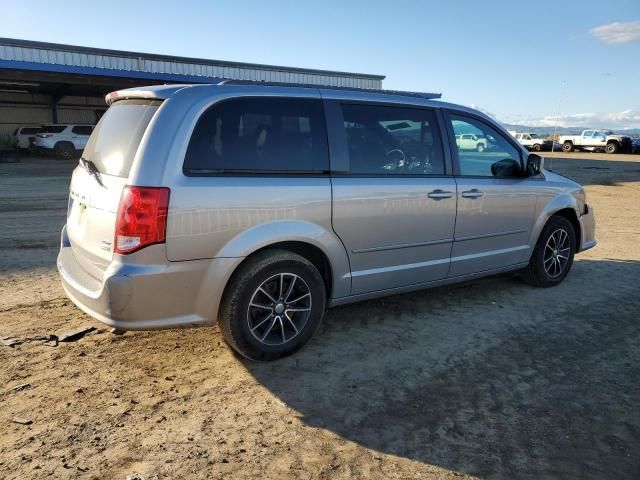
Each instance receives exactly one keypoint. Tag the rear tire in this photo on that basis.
(567, 147)
(553, 255)
(64, 150)
(272, 306)
(612, 147)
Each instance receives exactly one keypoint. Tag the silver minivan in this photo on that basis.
(261, 206)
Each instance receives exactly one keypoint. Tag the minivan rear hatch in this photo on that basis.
(97, 182)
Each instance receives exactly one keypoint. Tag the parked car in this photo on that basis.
(470, 141)
(595, 139)
(260, 206)
(24, 137)
(635, 145)
(64, 141)
(533, 141)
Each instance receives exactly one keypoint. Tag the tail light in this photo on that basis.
(142, 218)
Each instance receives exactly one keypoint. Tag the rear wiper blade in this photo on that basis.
(92, 169)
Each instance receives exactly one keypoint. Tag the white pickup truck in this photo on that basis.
(532, 141)
(596, 139)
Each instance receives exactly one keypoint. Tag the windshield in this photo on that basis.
(114, 142)
(534, 135)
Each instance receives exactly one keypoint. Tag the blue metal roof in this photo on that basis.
(69, 59)
(106, 72)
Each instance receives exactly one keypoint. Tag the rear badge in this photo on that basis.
(105, 245)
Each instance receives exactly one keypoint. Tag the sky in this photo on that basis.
(576, 63)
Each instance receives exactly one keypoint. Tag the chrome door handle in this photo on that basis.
(473, 193)
(439, 194)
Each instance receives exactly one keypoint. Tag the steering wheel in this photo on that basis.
(403, 158)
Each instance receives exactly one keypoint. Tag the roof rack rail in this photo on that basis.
(424, 95)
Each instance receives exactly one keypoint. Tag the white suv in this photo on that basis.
(63, 140)
(22, 137)
(471, 141)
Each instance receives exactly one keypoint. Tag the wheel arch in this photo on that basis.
(306, 250)
(311, 241)
(571, 215)
(565, 206)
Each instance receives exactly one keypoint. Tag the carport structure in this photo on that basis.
(53, 83)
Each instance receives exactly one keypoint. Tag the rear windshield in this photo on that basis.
(115, 139)
(30, 130)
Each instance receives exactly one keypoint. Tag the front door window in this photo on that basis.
(483, 151)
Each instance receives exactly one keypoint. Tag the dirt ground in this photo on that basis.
(492, 378)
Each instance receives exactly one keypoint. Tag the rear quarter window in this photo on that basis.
(259, 135)
(30, 130)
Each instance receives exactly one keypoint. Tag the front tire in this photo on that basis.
(536, 147)
(272, 305)
(567, 147)
(612, 147)
(480, 148)
(553, 255)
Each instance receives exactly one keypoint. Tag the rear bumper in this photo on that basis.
(588, 229)
(146, 296)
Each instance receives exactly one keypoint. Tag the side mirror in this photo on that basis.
(535, 164)
(506, 168)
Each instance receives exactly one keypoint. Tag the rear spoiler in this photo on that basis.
(160, 92)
